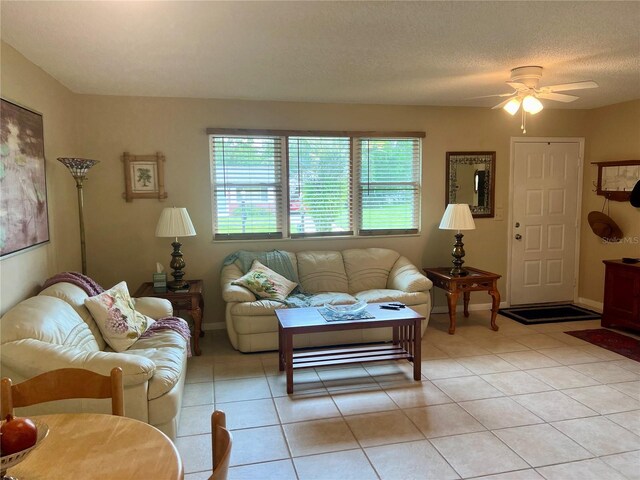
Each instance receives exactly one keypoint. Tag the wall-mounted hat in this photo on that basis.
(635, 195)
(604, 227)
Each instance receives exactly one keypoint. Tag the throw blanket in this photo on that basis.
(89, 285)
(276, 260)
(176, 324)
(92, 288)
(279, 262)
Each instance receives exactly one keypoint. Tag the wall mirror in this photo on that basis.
(471, 179)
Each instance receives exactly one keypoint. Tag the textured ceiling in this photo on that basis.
(421, 53)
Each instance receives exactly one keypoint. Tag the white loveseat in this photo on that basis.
(336, 277)
(55, 330)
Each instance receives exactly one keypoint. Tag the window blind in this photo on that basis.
(319, 186)
(247, 184)
(389, 185)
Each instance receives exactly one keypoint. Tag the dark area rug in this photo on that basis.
(614, 341)
(534, 314)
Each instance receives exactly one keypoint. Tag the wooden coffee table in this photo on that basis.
(405, 322)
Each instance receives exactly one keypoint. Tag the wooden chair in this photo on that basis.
(221, 442)
(63, 384)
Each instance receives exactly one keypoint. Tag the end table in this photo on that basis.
(475, 280)
(191, 301)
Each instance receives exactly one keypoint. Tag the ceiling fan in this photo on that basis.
(527, 92)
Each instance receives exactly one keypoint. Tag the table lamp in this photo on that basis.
(458, 217)
(79, 168)
(175, 222)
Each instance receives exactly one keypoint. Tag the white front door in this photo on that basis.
(545, 220)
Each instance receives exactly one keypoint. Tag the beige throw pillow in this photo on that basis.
(120, 324)
(265, 283)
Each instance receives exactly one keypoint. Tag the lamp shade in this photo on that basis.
(77, 166)
(175, 222)
(457, 216)
(532, 105)
(512, 106)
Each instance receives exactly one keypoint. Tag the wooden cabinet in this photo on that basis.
(621, 295)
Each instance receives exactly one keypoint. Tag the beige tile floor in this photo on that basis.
(526, 402)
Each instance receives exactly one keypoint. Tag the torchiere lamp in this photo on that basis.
(78, 168)
(175, 222)
(458, 217)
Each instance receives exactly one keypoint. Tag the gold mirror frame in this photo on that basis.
(470, 179)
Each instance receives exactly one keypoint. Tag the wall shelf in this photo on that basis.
(616, 179)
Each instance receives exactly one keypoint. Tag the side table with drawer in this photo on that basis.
(191, 301)
(475, 280)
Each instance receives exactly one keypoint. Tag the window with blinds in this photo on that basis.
(247, 186)
(320, 186)
(294, 184)
(389, 185)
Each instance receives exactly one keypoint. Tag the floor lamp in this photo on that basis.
(78, 168)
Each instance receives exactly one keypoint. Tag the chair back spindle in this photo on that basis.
(221, 443)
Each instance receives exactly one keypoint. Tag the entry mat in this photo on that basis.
(545, 313)
(614, 341)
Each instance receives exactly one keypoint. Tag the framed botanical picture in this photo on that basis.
(144, 176)
(24, 217)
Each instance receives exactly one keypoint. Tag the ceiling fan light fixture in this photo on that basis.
(531, 104)
(512, 106)
(527, 92)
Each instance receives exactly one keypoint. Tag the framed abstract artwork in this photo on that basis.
(24, 218)
(144, 176)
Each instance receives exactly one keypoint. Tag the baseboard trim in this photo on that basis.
(214, 326)
(472, 307)
(599, 306)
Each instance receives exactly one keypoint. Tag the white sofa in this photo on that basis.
(336, 277)
(55, 330)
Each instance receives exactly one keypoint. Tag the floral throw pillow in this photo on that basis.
(265, 283)
(117, 319)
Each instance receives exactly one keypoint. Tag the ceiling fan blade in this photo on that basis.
(558, 97)
(517, 85)
(572, 86)
(501, 104)
(489, 96)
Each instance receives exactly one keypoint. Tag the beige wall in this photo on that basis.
(613, 133)
(120, 239)
(120, 235)
(24, 83)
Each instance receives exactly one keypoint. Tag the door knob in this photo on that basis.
(518, 236)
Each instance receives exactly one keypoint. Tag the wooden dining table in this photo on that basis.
(97, 446)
